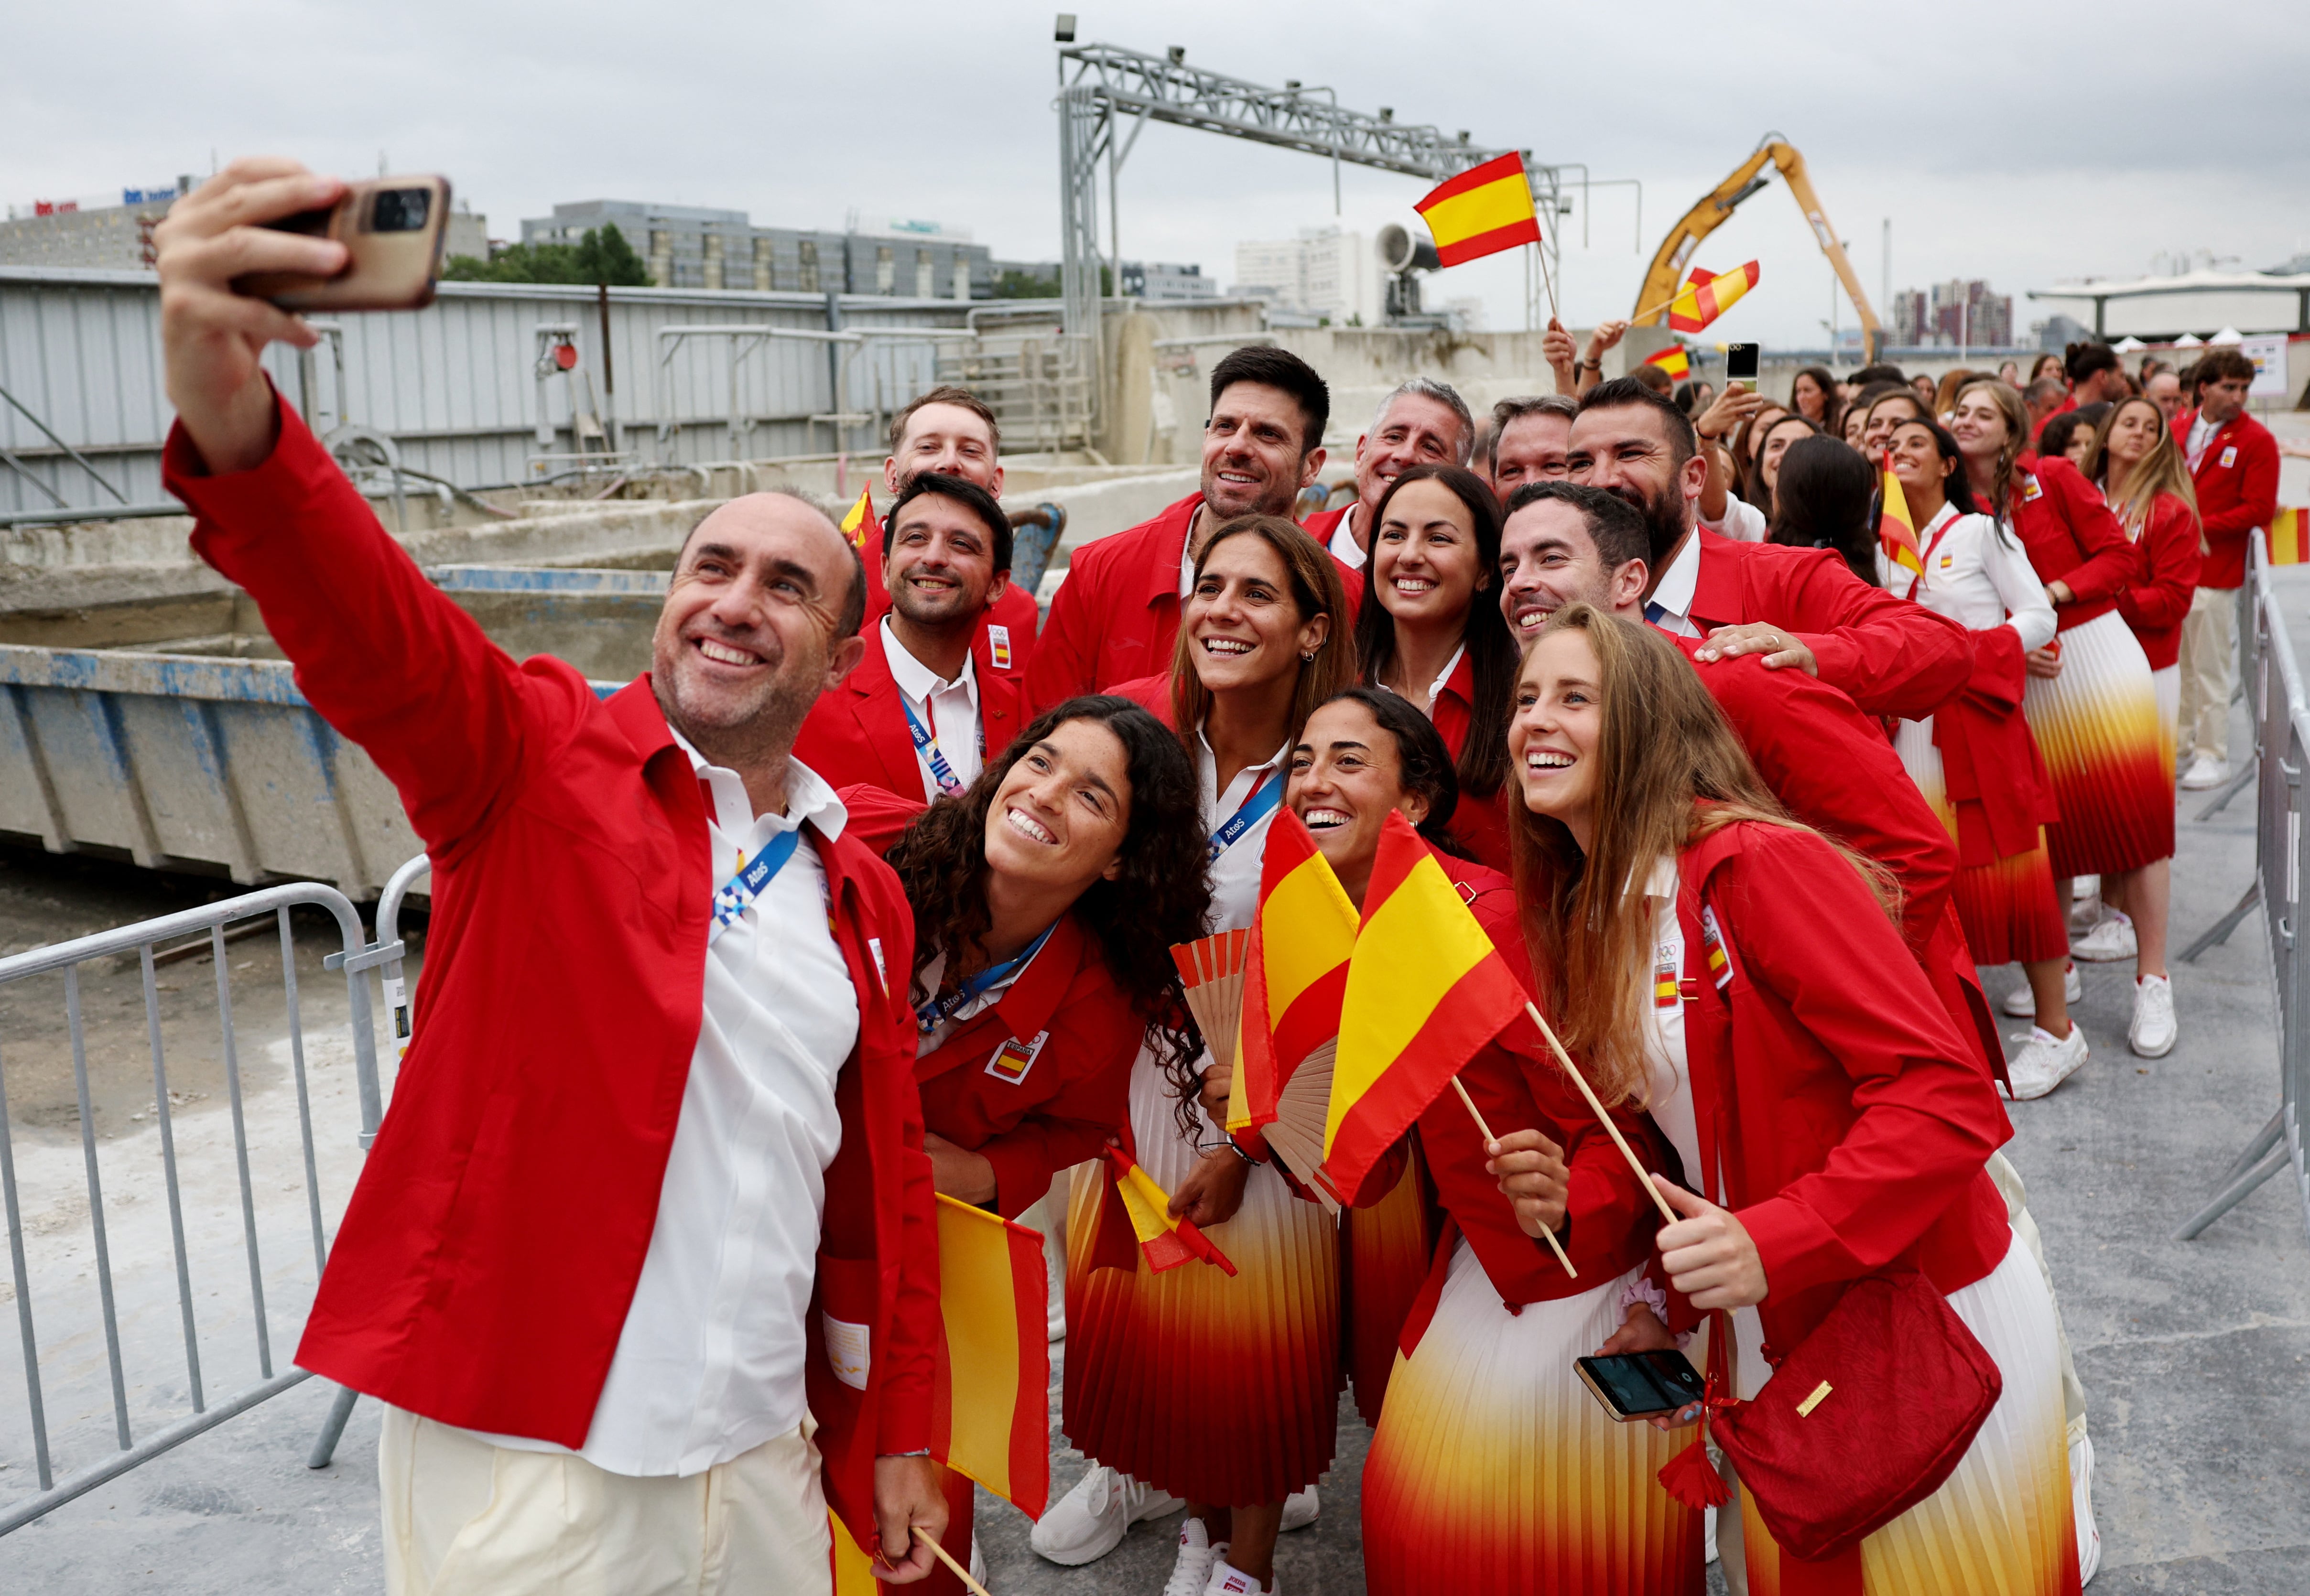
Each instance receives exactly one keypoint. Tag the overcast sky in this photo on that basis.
(2019, 143)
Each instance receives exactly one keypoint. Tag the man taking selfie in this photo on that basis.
(643, 1260)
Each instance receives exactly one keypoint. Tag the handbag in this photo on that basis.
(1867, 1416)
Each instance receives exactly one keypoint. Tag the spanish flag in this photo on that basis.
(1700, 302)
(990, 1398)
(1672, 360)
(1426, 989)
(2289, 537)
(865, 531)
(1295, 975)
(1165, 1243)
(1483, 211)
(1895, 531)
(854, 1566)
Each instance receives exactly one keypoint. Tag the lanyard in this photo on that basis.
(1925, 559)
(1254, 808)
(935, 1012)
(755, 874)
(927, 747)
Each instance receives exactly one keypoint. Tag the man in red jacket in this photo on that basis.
(651, 1195)
(1420, 422)
(951, 431)
(919, 714)
(1116, 615)
(1801, 608)
(2234, 462)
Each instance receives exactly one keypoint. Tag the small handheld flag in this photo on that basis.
(1699, 303)
(865, 531)
(991, 1388)
(1166, 1242)
(1896, 532)
(1672, 360)
(1483, 211)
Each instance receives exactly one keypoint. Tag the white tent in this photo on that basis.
(2189, 341)
(2227, 336)
(2126, 346)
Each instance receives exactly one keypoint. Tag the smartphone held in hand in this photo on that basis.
(1740, 365)
(1634, 1385)
(392, 228)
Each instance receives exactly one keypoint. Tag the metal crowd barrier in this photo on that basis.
(2279, 710)
(355, 958)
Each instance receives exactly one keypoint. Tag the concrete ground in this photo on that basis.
(2195, 1355)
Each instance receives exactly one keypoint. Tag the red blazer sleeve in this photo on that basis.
(2111, 563)
(1928, 1117)
(1096, 1041)
(878, 816)
(387, 658)
(1889, 655)
(2257, 469)
(904, 1421)
(1833, 768)
(1603, 1203)
(1066, 651)
(2160, 596)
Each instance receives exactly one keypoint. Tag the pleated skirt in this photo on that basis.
(2168, 681)
(1494, 1469)
(1385, 1253)
(2097, 725)
(2001, 1524)
(1220, 1389)
(2006, 908)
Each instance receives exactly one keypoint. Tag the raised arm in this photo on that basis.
(1889, 655)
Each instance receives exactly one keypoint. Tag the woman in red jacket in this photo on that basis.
(1435, 635)
(1652, 857)
(2142, 473)
(1447, 1499)
(2091, 702)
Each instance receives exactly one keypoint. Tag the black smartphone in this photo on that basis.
(1642, 1385)
(1740, 365)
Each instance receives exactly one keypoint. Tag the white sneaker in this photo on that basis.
(1192, 1566)
(2022, 1004)
(2106, 944)
(1708, 1528)
(2085, 903)
(2204, 772)
(977, 1561)
(1091, 1520)
(2046, 1061)
(1300, 1510)
(2151, 1035)
(1228, 1580)
(2081, 1460)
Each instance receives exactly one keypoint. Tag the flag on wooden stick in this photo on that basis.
(865, 531)
(990, 1397)
(1700, 302)
(1483, 211)
(1897, 530)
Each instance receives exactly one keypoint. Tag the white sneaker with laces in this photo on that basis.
(2081, 1460)
(1091, 1520)
(2022, 1004)
(2045, 1062)
(1191, 1567)
(2152, 1033)
(1229, 1581)
(2204, 773)
(2113, 939)
(1300, 1510)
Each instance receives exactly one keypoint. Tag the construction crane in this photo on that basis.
(1675, 253)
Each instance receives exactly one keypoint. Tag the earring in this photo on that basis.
(1307, 658)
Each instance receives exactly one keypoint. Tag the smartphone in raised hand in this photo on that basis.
(392, 228)
(1740, 365)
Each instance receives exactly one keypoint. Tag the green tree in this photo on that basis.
(600, 255)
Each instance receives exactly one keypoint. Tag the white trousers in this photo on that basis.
(465, 1518)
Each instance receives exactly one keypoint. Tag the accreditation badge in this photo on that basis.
(2029, 489)
(998, 646)
(1014, 1058)
(2229, 456)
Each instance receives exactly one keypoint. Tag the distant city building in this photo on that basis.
(1323, 273)
(1950, 315)
(1160, 280)
(117, 236)
(696, 246)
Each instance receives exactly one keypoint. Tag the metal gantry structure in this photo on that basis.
(1108, 95)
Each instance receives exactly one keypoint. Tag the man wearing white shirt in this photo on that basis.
(918, 716)
(1420, 422)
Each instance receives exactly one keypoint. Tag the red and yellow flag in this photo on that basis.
(1896, 531)
(2289, 536)
(1295, 974)
(1700, 302)
(864, 528)
(990, 1402)
(1426, 989)
(1672, 360)
(1165, 1243)
(1483, 211)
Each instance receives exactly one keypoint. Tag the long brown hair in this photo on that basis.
(2162, 470)
(2016, 411)
(1315, 590)
(1668, 771)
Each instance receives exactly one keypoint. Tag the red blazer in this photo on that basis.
(1116, 615)
(1850, 1119)
(2168, 567)
(2236, 480)
(858, 734)
(1891, 656)
(1323, 525)
(483, 1269)
(1078, 1031)
(2070, 534)
(1480, 822)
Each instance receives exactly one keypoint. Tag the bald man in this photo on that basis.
(652, 1196)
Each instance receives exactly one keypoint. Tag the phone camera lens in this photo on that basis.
(401, 209)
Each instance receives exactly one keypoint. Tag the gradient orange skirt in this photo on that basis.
(2167, 682)
(2097, 725)
(2001, 1524)
(2006, 908)
(1218, 1389)
(1494, 1469)
(1385, 1251)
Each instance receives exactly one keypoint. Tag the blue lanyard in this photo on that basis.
(927, 747)
(755, 874)
(1254, 808)
(933, 1011)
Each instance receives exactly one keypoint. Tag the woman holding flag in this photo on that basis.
(1219, 1388)
(1677, 915)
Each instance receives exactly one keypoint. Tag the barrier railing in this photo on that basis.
(2279, 711)
(356, 957)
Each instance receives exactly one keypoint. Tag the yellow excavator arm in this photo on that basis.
(1676, 250)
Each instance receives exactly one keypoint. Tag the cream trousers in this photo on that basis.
(465, 1518)
(2209, 660)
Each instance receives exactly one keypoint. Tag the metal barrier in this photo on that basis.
(2279, 710)
(355, 958)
